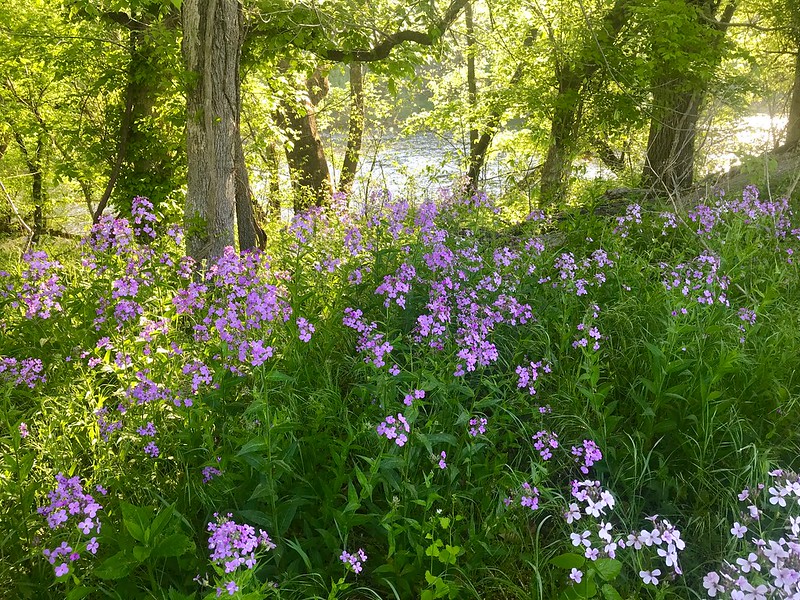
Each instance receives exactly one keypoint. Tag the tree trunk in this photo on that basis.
(612, 160)
(273, 166)
(212, 41)
(677, 98)
(793, 126)
(150, 168)
(479, 146)
(669, 164)
(251, 235)
(472, 85)
(308, 167)
(124, 133)
(567, 110)
(563, 143)
(34, 162)
(355, 128)
(39, 193)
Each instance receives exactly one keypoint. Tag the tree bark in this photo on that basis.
(567, 111)
(677, 98)
(669, 165)
(150, 168)
(34, 162)
(564, 129)
(273, 166)
(355, 128)
(793, 126)
(308, 166)
(472, 83)
(480, 146)
(124, 135)
(212, 41)
(251, 235)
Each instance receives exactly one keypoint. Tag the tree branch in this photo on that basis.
(381, 50)
(122, 146)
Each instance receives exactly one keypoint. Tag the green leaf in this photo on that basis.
(176, 544)
(610, 592)
(161, 520)
(434, 548)
(141, 553)
(79, 592)
(568, 561)
(116, 567)
(607, 568)
(580, 591)
(137, 521)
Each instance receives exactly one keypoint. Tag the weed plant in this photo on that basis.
(405, 402)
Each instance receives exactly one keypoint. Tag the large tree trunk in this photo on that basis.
(150, 167)
(35, 163)
(669, 164)
(479, 142)
(251, 235)
(472, 91)
(564, 130)
(677, 98)
(355, 128)
(567, 111)
(212, 41)
(308, 167)
(124, 131)
(793, 126)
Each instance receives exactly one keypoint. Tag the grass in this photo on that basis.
(688, 402)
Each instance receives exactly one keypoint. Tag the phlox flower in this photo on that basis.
(573, 513)
(712, 585)
(738, 530)
(392, 429)
(442, 463)
(354, 561)
(92, 545)
(581, 539)
(151, 450)
(576, 575)
(649, 577)
(477, 426)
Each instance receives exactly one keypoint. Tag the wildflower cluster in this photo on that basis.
(354, 561)
(545, 442)
(41, 290)
(527, 375)
(143, 217)
(477, 426)
(28, 371)
(578, 276)
(370, 342)
(233, 546)
(394, 428)
(585, 337)
(699, 279)
(409, 398)
(586, 455)
(633, 214)
(70, 504)
(599, 540)
(770, 568)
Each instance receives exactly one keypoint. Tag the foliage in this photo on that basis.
(408, 401)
